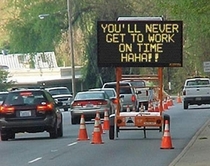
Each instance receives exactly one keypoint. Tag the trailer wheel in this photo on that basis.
(111, 132)
(166, 117)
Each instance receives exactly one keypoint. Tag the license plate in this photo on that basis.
(89, 105)
(25, 113)
(198, 98)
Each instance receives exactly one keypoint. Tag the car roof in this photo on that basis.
(23, 90)
(58, 87)
(116, 82)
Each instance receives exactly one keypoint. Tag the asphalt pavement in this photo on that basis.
(197, 151)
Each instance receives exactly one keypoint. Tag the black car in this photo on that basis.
(30, 110)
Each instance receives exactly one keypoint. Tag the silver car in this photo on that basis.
(113, 97)
(88, 103)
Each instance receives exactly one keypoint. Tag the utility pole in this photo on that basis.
(71, 48)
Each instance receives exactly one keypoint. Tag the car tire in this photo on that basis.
(4, 135)
(12, 136)
(54, 131)
(111, 132)
(60, 129)
(75, 120)
(185, 105)
(66, 109)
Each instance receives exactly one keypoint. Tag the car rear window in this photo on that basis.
(92, 95)
(25, 97)
(125, 88)
(59, 91)
(197, 82)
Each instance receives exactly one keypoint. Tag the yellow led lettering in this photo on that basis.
(125, 47)
(161, 28)
(137, 57)
(111, 28)
(149, 47)
(133, 29)
(160, 38)
(115, 38)
(137, 37)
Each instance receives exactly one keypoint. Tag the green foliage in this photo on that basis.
(4, 84)
(30, 34)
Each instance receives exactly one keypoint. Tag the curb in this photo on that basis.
(192, 141)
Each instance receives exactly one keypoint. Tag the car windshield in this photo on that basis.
(26, 97)
(59, 91)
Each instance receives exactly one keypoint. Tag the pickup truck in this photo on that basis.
(144, 93)
(196, 91)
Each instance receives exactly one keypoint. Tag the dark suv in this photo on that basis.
(30, 110)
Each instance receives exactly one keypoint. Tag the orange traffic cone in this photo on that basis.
(128, 108)
(106, 121)
(165, 105)
(166, 139)
(150, 107)
(141, 109)
(179, 100)
(169, 101)
(96, 136)
(156, 109)
(100, 126)
(82, 130)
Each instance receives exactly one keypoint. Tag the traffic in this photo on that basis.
(129, 148)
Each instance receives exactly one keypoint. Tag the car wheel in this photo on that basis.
(12, 136)
(111, 132)
(54, 131)
(185, 105)
(75, 120)
(60, 129)
(66, 109)
(4, 136)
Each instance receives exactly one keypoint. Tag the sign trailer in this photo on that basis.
(139, 42)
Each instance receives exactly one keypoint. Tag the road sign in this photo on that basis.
(139, 43)
(206, 66)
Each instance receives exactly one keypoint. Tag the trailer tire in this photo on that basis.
(111, 132)
(166, 117)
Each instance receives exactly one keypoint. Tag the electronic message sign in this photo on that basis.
(139, 43)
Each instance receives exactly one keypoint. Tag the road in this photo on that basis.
(130, 148)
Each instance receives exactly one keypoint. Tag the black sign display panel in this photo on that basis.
(139, 43)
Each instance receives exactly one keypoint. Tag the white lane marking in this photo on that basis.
(32, 161)
(74, 143)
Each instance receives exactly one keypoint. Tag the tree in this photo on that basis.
(4, 83)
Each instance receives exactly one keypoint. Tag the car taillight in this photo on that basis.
(133, 98)
(45, 107)
(184, 92)
(102, 103)
(7, 109)
(115, 101)
(76, 104)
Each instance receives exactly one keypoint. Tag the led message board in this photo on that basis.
(139, 43)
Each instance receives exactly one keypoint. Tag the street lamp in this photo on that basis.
(71, 47)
